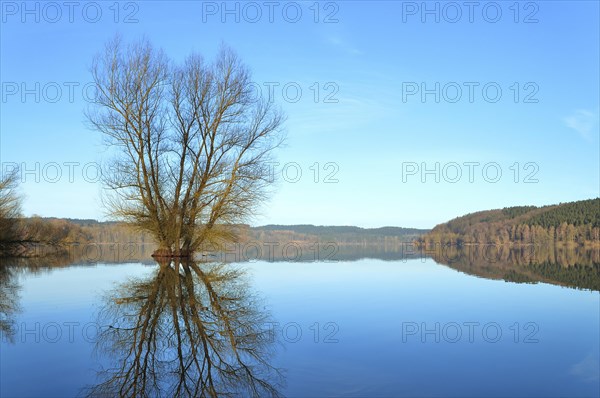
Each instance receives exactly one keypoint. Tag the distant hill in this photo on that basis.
(341, 235)
(321, 230)
(82, 221)
(59, 231)
(573, 222)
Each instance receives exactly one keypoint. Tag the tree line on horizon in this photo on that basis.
(566, 223)
(38, 236)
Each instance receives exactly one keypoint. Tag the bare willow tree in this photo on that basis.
(192, 142)
(10, 209)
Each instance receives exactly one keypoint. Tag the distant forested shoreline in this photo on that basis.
(37, 236)
(575, 223)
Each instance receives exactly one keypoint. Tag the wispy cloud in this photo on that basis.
(588, 369)
(343, 45)
(584, 121)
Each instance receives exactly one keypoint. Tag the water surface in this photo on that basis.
(363, 327)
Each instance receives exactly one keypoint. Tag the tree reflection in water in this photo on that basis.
(191, 329)
(9, 302)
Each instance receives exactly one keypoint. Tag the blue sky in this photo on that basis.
(362, 68)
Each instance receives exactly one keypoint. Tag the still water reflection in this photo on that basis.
(187, 329)
(566, 266)
(387, 322)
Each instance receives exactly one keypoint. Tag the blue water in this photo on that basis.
(363, 328)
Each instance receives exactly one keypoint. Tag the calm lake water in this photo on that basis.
(357, 327)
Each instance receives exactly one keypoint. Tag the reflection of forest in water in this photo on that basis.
(114, 253)
(560, 264)
(576, 267)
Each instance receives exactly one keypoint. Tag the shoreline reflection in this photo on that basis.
(572, 267)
